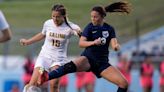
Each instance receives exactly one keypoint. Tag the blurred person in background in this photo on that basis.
(89, 81)
(86, 81)
(15, 88)
(28, 69)
(96, 38)
(125, 67)
(79, 81)
(56, 32)
(5, 32)
(146, 74)
(161, 81)
(63, 83)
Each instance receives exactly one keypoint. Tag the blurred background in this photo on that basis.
(141, 34)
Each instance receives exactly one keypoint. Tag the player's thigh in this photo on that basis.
(35, 76)
(82, 63)
(113, 75)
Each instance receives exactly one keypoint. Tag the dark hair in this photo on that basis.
(60, 8)
(115, 7)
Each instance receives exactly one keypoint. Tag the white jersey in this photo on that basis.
(57, 39)
(3, 22)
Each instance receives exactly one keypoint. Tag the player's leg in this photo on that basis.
(33, 81)
(54, 83)
(35, 76)
(113, 75)
(80, 64)
(40, 63)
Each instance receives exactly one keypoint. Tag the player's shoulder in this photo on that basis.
(49, 21)
(72, 24)
(89, 25)
(110, 27)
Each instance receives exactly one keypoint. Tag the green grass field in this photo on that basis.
(26, 18)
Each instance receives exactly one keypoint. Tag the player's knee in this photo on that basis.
(69, 67)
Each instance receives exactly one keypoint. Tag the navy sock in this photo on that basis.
(62, 70)
(122, 89)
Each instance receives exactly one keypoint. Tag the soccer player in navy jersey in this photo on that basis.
(95, 38)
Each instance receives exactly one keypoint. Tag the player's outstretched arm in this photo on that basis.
(34, 39)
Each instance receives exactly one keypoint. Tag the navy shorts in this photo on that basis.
(98, 65)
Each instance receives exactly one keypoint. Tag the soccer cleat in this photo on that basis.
(43, 77)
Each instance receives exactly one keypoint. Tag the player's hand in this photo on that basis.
(24, 42)
(117, 47)
(97, 41)
(78, 32)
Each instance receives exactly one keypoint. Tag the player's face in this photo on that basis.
(57, 18)
(96, 18)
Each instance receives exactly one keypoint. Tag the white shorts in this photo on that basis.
(48, 63)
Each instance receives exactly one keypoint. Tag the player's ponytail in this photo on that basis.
(121, 6)
(66, 21)
(115, 7)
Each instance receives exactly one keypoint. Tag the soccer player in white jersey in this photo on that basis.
(56, 32)
(5, 33)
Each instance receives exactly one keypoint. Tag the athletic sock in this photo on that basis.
(62, 70)
(122, 89)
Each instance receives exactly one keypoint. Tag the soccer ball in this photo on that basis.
(32, 89)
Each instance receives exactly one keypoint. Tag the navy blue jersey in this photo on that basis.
(92, 32)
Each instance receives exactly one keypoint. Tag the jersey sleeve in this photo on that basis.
(3, 22)
(76, 29)
(85, 32)
(44, 29)
(112, 33)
